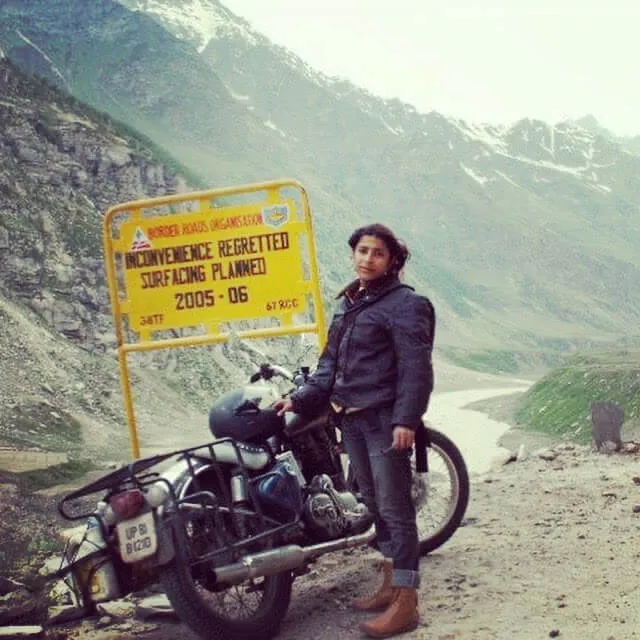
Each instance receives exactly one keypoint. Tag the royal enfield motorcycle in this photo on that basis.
(227, 526)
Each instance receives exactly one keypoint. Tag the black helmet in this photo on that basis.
(246, 415)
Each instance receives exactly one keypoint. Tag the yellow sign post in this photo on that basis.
(205, 260)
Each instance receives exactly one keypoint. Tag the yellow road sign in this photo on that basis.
(205, 260)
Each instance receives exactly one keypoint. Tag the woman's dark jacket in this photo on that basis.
(378, 353)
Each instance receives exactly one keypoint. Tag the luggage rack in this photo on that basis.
(213, 528)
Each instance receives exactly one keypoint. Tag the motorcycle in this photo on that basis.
(227, 526)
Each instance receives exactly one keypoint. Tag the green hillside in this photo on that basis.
(559, 404)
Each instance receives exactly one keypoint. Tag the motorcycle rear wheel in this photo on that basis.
(208, 614)
(252, 610)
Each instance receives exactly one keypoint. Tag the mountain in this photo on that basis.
(590, 123)
(126, 64)
(93, 51)
(526, 237)
(61, 164)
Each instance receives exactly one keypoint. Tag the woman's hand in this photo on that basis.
(403, 437)
(283, 405)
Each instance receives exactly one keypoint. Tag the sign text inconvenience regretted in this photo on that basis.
(213, 266)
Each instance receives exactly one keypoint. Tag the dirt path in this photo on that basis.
(18, 460)
(549, 549)
(548, 546)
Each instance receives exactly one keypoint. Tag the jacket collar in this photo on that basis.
(354, 292)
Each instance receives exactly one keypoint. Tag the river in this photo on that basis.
(475, 434)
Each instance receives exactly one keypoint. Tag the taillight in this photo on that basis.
(127, 503)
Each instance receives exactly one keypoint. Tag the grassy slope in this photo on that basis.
(559, 404)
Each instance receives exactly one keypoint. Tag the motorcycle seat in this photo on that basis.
(252, 456)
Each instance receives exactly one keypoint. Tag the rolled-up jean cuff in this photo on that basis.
(405, 578)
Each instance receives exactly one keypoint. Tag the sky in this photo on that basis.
(481, 61)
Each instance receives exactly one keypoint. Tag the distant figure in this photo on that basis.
(606, 419)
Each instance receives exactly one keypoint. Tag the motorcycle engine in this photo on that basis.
(331, 514)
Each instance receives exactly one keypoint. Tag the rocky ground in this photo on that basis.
(549, 548)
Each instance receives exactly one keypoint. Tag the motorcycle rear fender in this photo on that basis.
(166, 548)
(179, 473)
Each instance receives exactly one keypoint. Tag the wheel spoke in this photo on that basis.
(251, 610)
(435, 493)
(235, 603)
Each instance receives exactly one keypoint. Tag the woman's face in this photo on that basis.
(371, 258)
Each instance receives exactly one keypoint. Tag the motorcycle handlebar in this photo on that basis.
(281, 371)
(267, 371)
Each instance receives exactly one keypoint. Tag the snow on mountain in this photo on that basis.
(565, 148)
(198, 21)
(570, 148)
(53, 67)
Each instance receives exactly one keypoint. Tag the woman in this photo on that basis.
(376, 371)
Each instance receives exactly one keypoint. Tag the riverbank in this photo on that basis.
(481, 436)
(503, 408)
(477, 410)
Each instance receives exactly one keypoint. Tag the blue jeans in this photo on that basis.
(384, 480)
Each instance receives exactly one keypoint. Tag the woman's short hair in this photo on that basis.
(397, 248)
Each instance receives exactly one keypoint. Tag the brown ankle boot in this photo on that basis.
(402, 615)
(383, 596)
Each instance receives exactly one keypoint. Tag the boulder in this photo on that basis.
(607, 419)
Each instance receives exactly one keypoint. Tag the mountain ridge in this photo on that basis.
(61, 164)
(524, 235)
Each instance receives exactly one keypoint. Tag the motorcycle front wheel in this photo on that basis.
(251, 610)
(440, 495)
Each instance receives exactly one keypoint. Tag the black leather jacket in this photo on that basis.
(378, 353)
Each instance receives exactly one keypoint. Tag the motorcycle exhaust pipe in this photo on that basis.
(268, 563)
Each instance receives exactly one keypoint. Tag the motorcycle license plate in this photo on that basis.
(137, 537)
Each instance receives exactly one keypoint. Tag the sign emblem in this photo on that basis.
(140, 241)
(276, 215)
